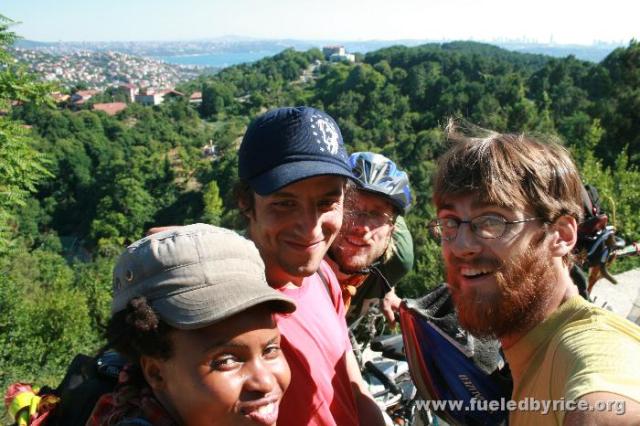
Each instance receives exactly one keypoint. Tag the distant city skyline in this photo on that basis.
(542, 21)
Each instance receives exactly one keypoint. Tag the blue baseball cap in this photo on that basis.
(285, 145)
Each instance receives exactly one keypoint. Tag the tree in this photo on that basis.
(99, 181)
(45, 320)
(212, 204)
(215, 97)
(21, 166)
(122, 215)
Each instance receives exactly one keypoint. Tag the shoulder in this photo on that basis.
(400, 261)
(328, 278)
(401, 230)
(402, 238)
(327, 274)
(593, 331)
(597, 350)
(588, 321)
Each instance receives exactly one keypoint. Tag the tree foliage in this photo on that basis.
(76, 187)
(21, 166)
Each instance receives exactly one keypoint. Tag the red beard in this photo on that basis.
(525, 285)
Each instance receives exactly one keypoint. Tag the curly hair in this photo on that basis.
(137, 331)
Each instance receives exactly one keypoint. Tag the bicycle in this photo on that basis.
(598, 247)
(384, 368)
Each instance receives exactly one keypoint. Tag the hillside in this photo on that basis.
(88, 183)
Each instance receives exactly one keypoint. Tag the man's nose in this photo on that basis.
(466, 243)
(357, 224)
(309, 220)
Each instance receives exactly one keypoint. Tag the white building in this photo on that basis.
(346, 57)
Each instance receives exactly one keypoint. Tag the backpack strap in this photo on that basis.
(325, 281)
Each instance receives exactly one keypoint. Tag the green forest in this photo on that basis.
(76, 186)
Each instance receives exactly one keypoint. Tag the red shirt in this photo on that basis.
(315, 342)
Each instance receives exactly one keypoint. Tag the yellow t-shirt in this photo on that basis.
(578, 350)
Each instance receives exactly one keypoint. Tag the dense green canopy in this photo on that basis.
(77, 186)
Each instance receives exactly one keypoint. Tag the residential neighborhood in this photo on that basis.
(99, 70)
(146, 96)
(82, 75)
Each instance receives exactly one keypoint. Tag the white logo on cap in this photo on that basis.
(326, 133)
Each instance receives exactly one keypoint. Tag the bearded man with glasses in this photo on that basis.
(507, 213)
(374, 248)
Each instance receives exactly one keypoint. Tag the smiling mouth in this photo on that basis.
(356, 242)
(264, 414)
(474, 273)
(305, 245)
(262, 409)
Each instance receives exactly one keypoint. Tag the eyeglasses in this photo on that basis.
(485, 226)
(373, 219)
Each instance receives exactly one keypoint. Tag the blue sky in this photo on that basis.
(560, 21)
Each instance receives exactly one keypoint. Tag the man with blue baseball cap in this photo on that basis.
(293, 172)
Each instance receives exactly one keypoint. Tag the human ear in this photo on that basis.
(247, 204)
(565, 232)
(244, 209)
(152, 370)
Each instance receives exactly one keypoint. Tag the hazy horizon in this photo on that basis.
(543, 22)
(232, 37)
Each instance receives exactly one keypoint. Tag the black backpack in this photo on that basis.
(591, 202)
(592, 229)
(597, 241)
(595, 220)
(86, 380)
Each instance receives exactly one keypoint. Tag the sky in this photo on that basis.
(544, 21)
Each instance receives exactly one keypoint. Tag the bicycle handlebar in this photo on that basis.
(632, 249)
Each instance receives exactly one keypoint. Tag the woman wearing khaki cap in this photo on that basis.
(193, 313)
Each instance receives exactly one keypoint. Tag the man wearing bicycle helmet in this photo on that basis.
(507, 212)
(374, 249)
